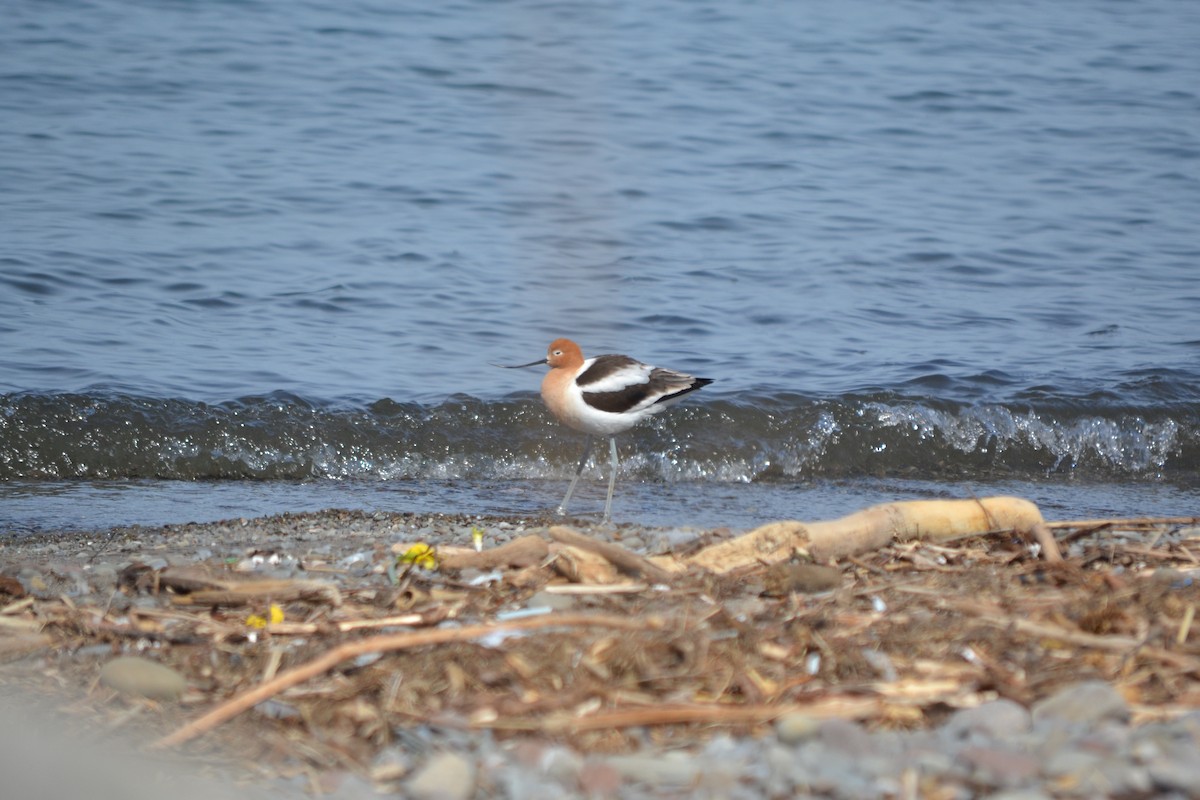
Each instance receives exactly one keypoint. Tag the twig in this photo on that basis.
(1045, 538)
(379, 644)
(524, 551)
(625, 560)
(1120, 521)
(242, 593)
(713, 714)
(610, 588)
(1185, 625)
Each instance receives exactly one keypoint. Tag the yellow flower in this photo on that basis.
(477, 536)
(274, 617)
(420, 555)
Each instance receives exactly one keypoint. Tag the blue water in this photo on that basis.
(975, 222)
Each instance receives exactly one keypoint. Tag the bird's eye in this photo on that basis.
(557, 352)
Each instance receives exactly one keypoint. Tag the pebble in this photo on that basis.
(994, 718)
(443, 776)
(1084, 703)
(796, 726)
(1077, 743)
(672, 769)
(139, 676)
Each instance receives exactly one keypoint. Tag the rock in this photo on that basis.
(597, 779)
(1085, 703)
(844, 736)
(1172, 765)
(390, 765)
(999, 765)
(633, 542)
(1019, 794)
(557, 602)
(991, 719)
(560, 763)
(796, 726)
(443, 776)
(669, 769)
(139, 676)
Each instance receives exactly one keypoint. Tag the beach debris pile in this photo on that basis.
(319, 641)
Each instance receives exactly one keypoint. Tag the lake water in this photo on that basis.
(257, 258)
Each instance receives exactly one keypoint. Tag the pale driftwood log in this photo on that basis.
(625, 560)
(582, 566)
(521, 552)
(240, 593)
(866, 530)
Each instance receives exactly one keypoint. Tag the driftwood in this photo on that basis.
(584, 567)
(912, 626)
(240, 593)
(625, 560)
(841, 707)
(525, 551)
(866, 530)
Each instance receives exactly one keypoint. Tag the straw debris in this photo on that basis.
(894, 616)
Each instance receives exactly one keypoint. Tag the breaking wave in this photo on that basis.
(757, 438)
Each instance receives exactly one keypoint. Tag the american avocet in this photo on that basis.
(604, 396)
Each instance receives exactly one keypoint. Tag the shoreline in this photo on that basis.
(916, 648)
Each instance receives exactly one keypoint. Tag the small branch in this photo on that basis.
(695, 713)
(1045, 538)
(625, 560)
(380, 644)
(1124, 521)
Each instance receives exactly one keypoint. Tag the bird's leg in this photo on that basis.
(587, 451)
(612, 477)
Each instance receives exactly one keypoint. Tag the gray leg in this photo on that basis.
(587, 451)
(612, 477)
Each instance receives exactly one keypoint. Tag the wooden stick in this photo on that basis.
(240, 593)
(523, 551)
(381, 644)
(1138, 521)
(869, 529)
(703, 713)
(1185, 625)
(625, 560)
(1045, 537)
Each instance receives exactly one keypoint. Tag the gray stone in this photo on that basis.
(1085, 703)
(139, 676)
(991, 719)
(103, 576)
(1072, 764)
(675, 768)
(1019, 794)
(845, 736)
(1177, 770)
(443, 776)
(1001, 766)
(561, 763)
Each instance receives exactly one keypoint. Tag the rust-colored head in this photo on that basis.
(563, 353)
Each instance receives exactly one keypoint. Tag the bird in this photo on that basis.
(603, 396)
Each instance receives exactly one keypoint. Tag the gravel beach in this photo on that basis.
(975, 670)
